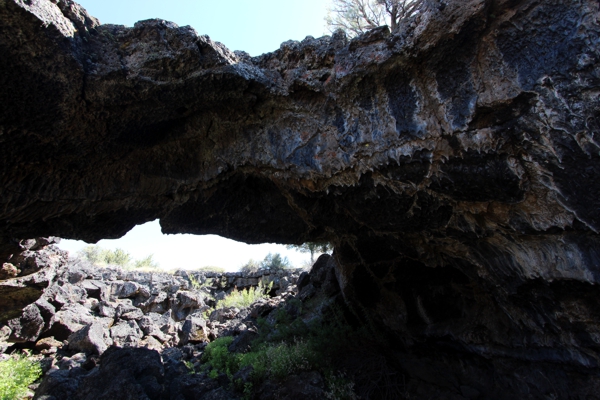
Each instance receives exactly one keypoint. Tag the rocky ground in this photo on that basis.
(114, 333)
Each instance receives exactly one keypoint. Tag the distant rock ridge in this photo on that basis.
(453, 164)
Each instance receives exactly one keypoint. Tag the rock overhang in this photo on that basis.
(452, 163)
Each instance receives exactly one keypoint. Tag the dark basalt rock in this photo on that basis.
(454, 165)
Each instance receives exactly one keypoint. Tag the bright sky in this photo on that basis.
(255, 26)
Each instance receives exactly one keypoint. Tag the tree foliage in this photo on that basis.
(358, 16)
(101, 256)
(272, 263)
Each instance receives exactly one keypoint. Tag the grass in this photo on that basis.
(16, 374)
(245, 297)
(349, 354)
(284, 347)
(269, 359)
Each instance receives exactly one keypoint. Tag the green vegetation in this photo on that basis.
(269, 359)
(16, 373)
(146, 263)
(101, 257)
(189, 366)
(287, 345)
(340, 388)
(194, 282)
(271, 263)
(250, 267)
(245, 297)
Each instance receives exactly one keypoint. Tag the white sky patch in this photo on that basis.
(189, 251)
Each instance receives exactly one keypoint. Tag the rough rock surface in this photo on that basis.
(454, 165)
(33, 265)
(106, 345)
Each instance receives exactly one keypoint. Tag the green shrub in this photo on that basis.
(92, 253)
(194, 282)
(285, 359)
(117, 257)
(217, 356)
(245, 297)
(146, 263)
(251, 267)
(16, 373)
(287, 345)
(101, 257)
(274, 262)
(340, 388)
(271, 263)
(277, 360)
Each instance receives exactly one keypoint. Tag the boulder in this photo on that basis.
(128, 312)
(48, 345)
(18, 292)
(58, 384)
(47, 311)
(91, 304)
(70, 319)
(8, 271)
(74, 362)
(193, 331)
(150, 327)
(4, 332)
(185, 302)
(129, 373)
(95, 288)
(91, 339)
(60, 295)
(151, 343)
(126, 333)
(106, 309)
(243, 342)
(28, 327)
(156, 302)
(224, 314)
(123, 290)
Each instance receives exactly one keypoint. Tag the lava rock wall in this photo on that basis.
(454, 164)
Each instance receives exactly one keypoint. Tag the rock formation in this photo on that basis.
(87, 312)
(454, 165)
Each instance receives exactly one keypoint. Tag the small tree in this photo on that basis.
(250, 267)
(358, 16)
(91, 253)
(274, 262)
(100, 256)
(118, 256)
(147, 262)
(312, 248)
